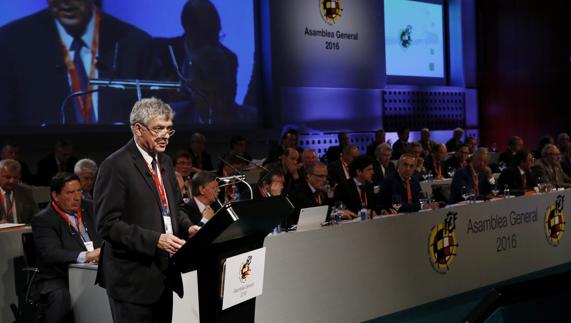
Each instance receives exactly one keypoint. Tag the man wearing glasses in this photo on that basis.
(140, 219)
(548, 168)
(314, 192)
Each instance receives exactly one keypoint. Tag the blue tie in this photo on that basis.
(76, 47)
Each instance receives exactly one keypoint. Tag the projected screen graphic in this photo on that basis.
(215, 55)
(414, 39)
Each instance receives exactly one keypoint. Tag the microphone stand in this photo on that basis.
(187, 84)
(261, 180)
(229, 180)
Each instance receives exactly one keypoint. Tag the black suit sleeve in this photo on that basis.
(111, 188)
(47, 239)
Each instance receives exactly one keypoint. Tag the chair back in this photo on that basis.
(29, 248)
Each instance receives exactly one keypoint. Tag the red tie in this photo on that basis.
(408, 191)
(476, 184)
(524, 180)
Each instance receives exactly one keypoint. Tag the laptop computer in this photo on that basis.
(311, 218)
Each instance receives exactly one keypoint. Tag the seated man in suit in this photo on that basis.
(11, 150)
(183, 170)
(515, 144)
(357, 192)
(86, 169)
(17, 201)
(401, 186)
(61, 160)
(313, 192)
(205, 190)
(472, 178)
(518, 178)
(427, 144)
(456, 141)
(435, 162)
(380, 137)
(308, 157)
(338, 170)
(289, 165)
(548, 168)
(271, 183)
(334, 152)
(200, 158)
(64, 233)
(458, 160)
(382, 164)
(400, 146)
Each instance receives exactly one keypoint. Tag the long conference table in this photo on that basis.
(359, 271)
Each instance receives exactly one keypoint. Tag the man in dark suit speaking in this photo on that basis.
(54, 52)
(137, 202)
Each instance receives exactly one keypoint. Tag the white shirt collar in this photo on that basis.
(201, 206)
(148, 158)
(311, 188)
(87, 37)
(521, 172)
(357, 182)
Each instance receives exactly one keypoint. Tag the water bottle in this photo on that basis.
(363, 214)
(506, 191)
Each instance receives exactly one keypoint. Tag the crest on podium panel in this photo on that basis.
(442, 244)
(555, 222)
(330, 10)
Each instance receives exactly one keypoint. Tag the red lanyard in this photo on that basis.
(160, 186)
(86, 105)
(5, 204)
(66, 218)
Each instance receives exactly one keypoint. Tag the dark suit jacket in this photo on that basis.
(58, 245)
(453, 145)
(205, 161)
(335, 172)
(399, 148)
(32, 87)
(333, 153)
(394, 185)
(511, 177)
(26, 207)
(132, 268)
(463, 178)
(213, 72)
(506, 157)
(347, 193)
(47, 168)
(429, 165)
(566, 166)
(452, 162)
(378, 177)
(302, 197)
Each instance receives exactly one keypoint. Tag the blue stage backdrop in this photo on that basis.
(162, 19)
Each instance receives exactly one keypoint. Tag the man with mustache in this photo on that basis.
(64, 233)
(54, 52)
(141, 220)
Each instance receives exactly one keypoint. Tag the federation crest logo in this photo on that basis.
(442, 244)
(245, 270)
(406, 37)
(555, 221)
(330, 10)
